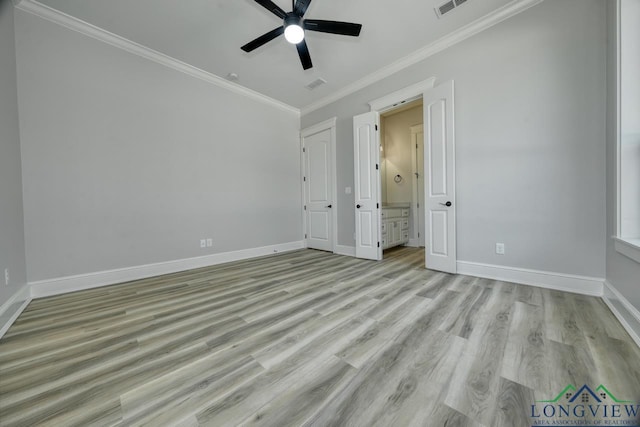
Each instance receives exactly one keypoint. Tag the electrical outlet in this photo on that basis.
(209, 243)
(203, 243)
(6, 276)
(500, 248)
(347, 190)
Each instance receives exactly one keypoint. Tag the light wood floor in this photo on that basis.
(308, 338)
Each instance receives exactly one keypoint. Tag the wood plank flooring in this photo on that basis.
(307, 338)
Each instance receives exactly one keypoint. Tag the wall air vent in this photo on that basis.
(448, 7)
(314, 84)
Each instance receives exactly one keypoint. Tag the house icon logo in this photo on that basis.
(570, 394)
(585, 395)
(586, 405)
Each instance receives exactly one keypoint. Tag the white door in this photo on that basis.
(318, 190)
(367, 185)
(440, 198)
(417, 141)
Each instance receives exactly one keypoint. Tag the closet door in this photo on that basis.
(318, 190)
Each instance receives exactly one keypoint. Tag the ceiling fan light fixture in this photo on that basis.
(294, 28)
(293, 31)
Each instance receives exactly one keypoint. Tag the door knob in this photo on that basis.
(328, 206)
(358, 206)
(446, 204)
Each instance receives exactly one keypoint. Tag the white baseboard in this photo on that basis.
(11, 309)
(80, 282)
(625, 312)
(558, 281)
(414, 243)
(345, 250)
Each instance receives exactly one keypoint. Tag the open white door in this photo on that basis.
(440, 197)
(367, 185)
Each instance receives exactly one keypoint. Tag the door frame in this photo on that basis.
(416, 239)
(329, 124)
(395, 99)
(402, 96)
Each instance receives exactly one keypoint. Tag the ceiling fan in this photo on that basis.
(294, 27)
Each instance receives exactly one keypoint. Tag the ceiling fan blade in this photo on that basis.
(305, 57)
(272, 7)
(333, 27)
(263, 39)
(301, 7)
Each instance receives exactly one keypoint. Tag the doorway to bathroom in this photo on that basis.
(402, 176)
(439, 206)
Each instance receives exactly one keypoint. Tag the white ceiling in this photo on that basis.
(208, 34)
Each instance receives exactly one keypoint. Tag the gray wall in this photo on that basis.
(127, 162)
(622, 272)
(12, 254)
(530, 135)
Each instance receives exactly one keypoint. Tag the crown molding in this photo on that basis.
(477, 26)
(75, 24)
(80, 26)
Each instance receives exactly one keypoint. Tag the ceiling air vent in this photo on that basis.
(314, 84)
(448, 7)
